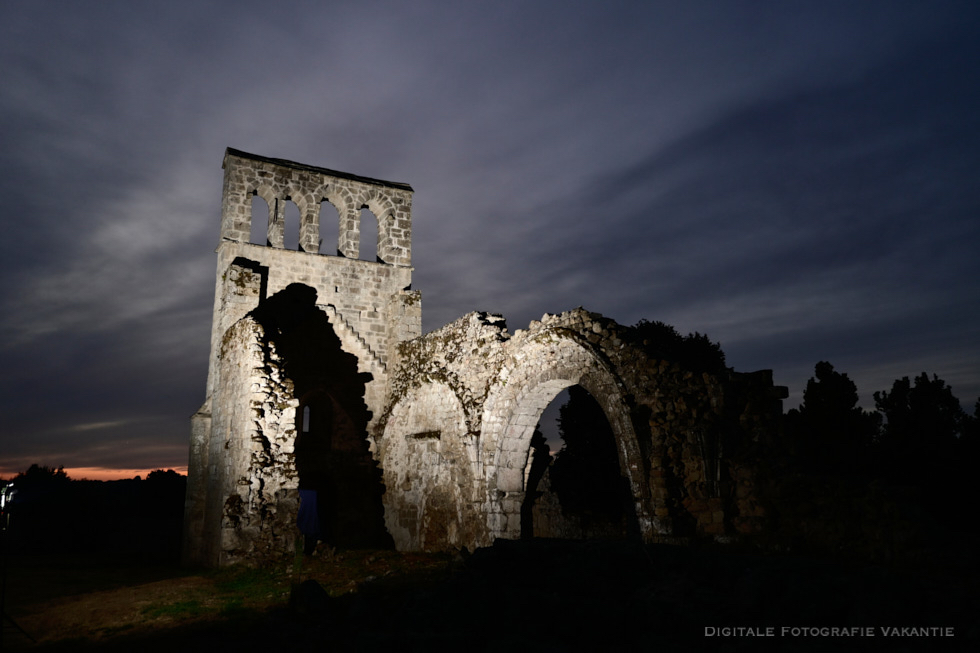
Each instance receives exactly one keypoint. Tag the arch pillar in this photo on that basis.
(277, 223)
(309, 229)
(350, 233)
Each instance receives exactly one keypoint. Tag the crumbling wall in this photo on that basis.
(449, 415)
(542, 361)
(252, 499)
(428, 437)
(686, 440)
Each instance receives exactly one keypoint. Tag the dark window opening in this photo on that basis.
(259, 234)
(290, 233)
(329, 229)
(369, 236)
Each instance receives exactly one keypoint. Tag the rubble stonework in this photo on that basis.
(444, 419)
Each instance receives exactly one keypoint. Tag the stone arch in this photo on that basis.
(330, 194)
(537, 371)
(373, 198)
(369, 240)
(270, 196)
(429, 469)
(383, 210)
(341, 198)
(258, 230)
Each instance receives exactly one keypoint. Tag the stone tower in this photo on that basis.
(300, 344)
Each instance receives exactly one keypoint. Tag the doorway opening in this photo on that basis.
(574, 485)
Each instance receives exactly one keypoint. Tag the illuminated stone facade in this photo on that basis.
(319, 375)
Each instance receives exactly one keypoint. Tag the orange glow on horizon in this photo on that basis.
(106, 474)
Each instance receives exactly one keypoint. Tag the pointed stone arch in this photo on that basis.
(536, 372)
(269, 194)
(383, 209)
(339, 199)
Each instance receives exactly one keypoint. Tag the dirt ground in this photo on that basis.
(83, 601)
(540, 595)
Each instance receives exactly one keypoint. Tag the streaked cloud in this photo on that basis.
(796, 182)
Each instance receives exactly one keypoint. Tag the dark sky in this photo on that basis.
(798, 180)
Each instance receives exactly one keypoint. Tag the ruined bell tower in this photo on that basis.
(300, 346)
(320, 379)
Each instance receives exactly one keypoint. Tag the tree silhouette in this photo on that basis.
(41, 476)
(969, 442)
(695, 351)
(829, 433)
(926, 412)
(923, 424)
(585, 474)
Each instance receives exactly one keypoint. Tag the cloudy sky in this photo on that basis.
(798, 180)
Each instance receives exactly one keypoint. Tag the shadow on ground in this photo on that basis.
(551, 595)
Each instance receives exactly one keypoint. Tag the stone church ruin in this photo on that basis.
(320, 377)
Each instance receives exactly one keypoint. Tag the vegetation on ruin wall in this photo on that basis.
(677, 386)
(694, 352)
(829, 477)
(679, 396)
(428, 359)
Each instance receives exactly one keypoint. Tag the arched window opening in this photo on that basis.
(260, 221)
(315, 425)
(291, 226)
(369, 236)
(329, 229)
(574, 485)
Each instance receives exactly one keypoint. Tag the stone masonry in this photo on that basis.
(319, 373)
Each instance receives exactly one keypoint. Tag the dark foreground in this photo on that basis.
(539, 595)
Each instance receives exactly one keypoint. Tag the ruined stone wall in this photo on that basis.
(449, 416)
(702, 434)
(433, 486)
(251, 476)
(428, 437)
(686, 441)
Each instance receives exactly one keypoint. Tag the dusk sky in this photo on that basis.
(797, 180)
